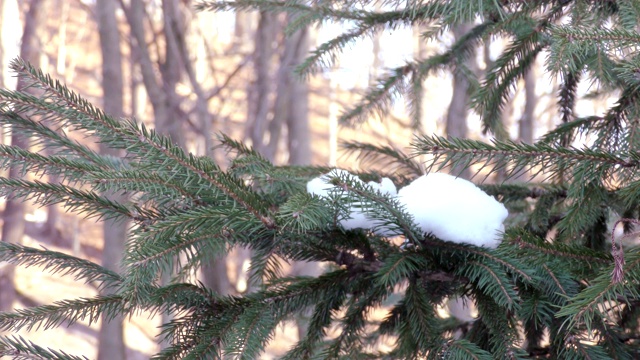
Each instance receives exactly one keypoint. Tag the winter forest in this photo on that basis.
(258, 179)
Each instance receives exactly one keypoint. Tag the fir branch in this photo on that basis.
(386, 156)
(458, 350)
(566, 38)
(321, 319)
(501, 79)
(303, 213)
(68, 106)
(45, 165)
(586, 304)
(63, 312)
(133, 137)
(556, 281)
(152, 186)
(73, 199)
(17, 348)
(399, 267)
(558, 250)
(499, 289)
(421, 317)
(507, 263)
(393, 213)
(239, 147)
(45, 136)
(564, 133)
(247, 338)
(319, 12)
(522, 156)
(227, 184)
(378, 98)
(325, 55)
(567, 102)
(58, 263)
(355, 319)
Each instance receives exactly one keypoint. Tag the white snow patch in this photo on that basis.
(386, 186)
(454, 209)
(450, 208)
(321, 186)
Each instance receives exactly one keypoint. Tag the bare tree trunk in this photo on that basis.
(291, 100)
(161, 95)
(171, 70)
(456, 125)
(14, 224)
(260, 93)
(298, 117)
(111, 340)
(526, 128)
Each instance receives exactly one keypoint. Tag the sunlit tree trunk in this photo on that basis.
(14, 223)
(111, 343)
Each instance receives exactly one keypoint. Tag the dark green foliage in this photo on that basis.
(550, 282)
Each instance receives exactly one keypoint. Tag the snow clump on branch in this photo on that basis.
(356, 218)
(454, 209)
(450, 208)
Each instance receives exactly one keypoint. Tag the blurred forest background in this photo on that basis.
(193, 74)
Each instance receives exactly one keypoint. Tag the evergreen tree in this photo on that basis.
(556, 272)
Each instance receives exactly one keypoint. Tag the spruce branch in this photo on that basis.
(558, 250)
(319, 12)
(136, 138)
(326, 55)
(58, 263)
(460, 349)
(45, 165)
(393, 214)
(499, 289)
(377, 99)
(566, 38)
(63, 312)
(42, 135)
(17, 348)
(386, 156)
(74, 199)
(521, 156)
(504, 261)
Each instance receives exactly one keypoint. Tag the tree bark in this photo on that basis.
(14, 223)
(456, 125)
(298, 117)
(260, 92)
(526, 128)
(291, 104)
(111, 340)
